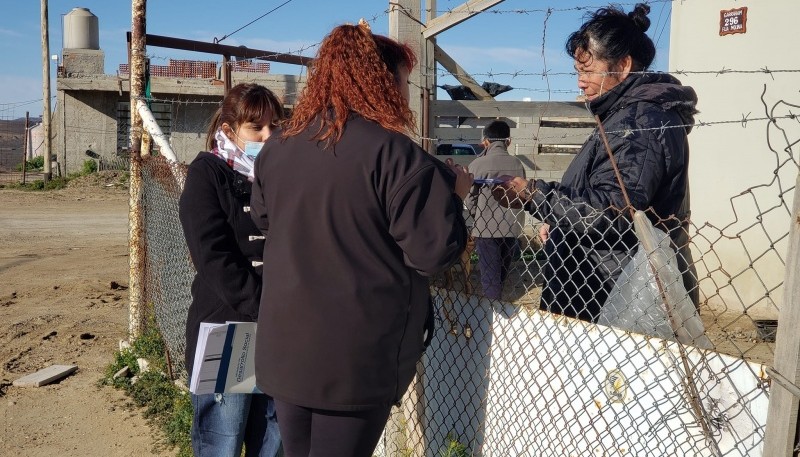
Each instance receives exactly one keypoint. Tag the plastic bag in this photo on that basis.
(636, 302)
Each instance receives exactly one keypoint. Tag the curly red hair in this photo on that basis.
(356, 71)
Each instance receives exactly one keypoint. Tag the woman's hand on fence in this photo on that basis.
(463, 179)
(544, 232)
(513, 193)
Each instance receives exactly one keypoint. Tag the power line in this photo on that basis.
(251, 22)
(669, 16)
(658, 21)
(15, 104)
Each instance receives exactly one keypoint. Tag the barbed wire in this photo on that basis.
(251, 22)
(547, 91)
(178, 101)
(545, 74)
(743, 121)
(467, 10)
(495, 75)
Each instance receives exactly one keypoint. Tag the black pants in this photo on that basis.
(494, 259)
(308, 432)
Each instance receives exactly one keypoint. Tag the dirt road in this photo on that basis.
(62, 256)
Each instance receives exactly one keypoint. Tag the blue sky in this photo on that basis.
(517, 38)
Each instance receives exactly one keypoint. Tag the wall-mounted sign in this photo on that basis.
(733, 21)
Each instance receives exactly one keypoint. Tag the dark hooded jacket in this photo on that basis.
(647, 118)
(353, 232)
(224, 244)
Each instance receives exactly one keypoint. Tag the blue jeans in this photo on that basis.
(222, 422)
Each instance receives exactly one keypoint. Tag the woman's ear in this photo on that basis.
(227, 130)
(624, 67)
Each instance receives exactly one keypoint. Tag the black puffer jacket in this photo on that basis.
(218, 230)
(647, 119)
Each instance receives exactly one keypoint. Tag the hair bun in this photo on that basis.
(639, 16)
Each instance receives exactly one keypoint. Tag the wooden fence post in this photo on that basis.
(46, 92)
(781, 434)
(405, 26)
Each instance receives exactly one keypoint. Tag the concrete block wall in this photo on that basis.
(82, 61)
(86, 115)
(84, 121)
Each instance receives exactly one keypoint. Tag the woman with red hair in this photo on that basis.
(356, 218)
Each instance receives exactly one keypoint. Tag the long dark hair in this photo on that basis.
(247, 102)
(609, 34)
(354, 71)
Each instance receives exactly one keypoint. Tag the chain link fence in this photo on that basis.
(503, 377)
(169, 269)
(12, 147)
(506, 377)
(655, 346)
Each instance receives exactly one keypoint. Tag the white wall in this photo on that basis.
(727, 159)
(530, 383)
(35, 142)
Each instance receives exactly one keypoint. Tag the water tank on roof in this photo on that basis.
(81, 30)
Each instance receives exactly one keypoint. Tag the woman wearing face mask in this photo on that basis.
(647, 117)
(226, 249)
(357, 218)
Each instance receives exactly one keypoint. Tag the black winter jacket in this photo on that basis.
(647, 118)
(212, 210)
(354, 231)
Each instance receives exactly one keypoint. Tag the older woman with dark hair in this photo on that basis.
(647, 117)
(356, 218)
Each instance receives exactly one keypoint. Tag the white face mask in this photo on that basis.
(252, 148)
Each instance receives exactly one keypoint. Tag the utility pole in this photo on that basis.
(25, 146)
(428, 62)
(46, 92)
(136, 242)
(405, 26)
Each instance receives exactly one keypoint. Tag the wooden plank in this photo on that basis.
(782, 412)
(559, 148)
(552, 162)
(456, 16)
(527, 136)
(494, 109)
(553, 121)
(459, 73)
(457, 135)
(573, 136)
(45, 376)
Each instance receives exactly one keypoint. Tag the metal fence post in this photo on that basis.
(136, 218)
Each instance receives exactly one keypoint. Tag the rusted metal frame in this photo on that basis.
(222, 49)
(136, 241)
